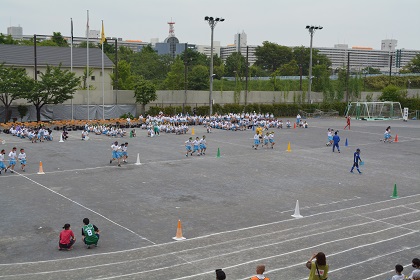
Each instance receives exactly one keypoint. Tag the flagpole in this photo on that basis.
(103, 73)
(71, 62)
(87, 61)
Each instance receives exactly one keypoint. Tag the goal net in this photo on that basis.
(375, 110)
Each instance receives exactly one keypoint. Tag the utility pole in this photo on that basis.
(246, 77)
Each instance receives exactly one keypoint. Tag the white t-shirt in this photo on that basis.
(398, 277)
(12, 155)
(22, 156)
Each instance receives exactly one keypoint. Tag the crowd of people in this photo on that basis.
(319, 269)
(40, 133)
(13, 158)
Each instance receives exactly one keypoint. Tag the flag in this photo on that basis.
(71, 30)
(103, 39)
(87, 25)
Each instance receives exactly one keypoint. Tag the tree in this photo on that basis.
(149, 64)
(23, 110)
(198, 79)
(91, 45)
(235, 65)
(413, 66)
(144, 92)
(14, 83)
(175, 78)
(85, 76)
(321, 78)
(59, 39)
(54, 87)
(392, 93)
(125, 77)
(7, 39)
(270, 56)
(289, 69)
(302, 55)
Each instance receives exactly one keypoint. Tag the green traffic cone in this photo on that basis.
(218, 152)
(395, 194)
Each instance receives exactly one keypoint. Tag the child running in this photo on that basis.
(265, 138)
(2, 166)
(188, 145)
(203, 145)
(271, 139)
(22, 159)
(124, 148)
(116, 153)
(12, 160)
(256, 141)
(196, 144)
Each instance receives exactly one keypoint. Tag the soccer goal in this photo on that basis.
(375, 110)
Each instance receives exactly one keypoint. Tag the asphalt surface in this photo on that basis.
(235, 210)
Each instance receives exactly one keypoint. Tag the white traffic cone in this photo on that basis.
(138, 159)
(297, 211)
(61, 138)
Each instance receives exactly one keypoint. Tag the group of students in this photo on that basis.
(13, 157)
(265, 141)
(40, 134)
(90, 235)
(119, 152)
(198, 145)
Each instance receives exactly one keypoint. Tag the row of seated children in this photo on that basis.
(40, 134)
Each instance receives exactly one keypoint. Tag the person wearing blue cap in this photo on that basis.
(356, 159)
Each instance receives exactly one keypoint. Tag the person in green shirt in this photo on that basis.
(318, 268)
(90, 233)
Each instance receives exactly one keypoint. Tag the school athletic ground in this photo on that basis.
(235, 210)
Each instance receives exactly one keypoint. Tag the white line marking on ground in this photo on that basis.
(242, 250)
(87, 208)
(199, 237)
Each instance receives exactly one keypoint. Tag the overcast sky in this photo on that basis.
(353, 22)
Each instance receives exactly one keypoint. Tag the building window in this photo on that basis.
(92, 78)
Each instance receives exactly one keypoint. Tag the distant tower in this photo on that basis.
(172, 40)
(171, 29)
(240, 41)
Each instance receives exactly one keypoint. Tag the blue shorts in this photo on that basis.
(330, 138)
(271, 140)
(23, 161)
(195, 148)
(124, 153)
(115, 154)
(188, 148)
(387, 136)
(265, 142)
(2, 166)
(256, 142)
(202, 146)
(12, 161)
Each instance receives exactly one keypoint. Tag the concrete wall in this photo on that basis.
(201, 98)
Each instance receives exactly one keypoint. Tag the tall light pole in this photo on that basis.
(311, 30)
(212, 23)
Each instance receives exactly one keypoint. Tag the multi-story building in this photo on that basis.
(15, 31)
(362, 57)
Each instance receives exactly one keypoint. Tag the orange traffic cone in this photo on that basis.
(179, 236)
(192, 131)
(396, 138)
(41, 170)
(294, 125)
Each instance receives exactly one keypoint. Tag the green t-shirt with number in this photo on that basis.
(90, 235)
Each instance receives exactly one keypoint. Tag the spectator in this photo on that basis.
(415, 275)
(399, 276)
(220, 274)
(260, 273)
(318, 268)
